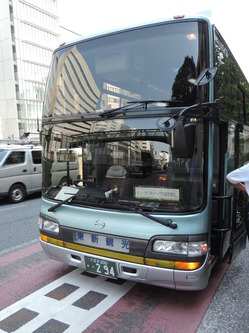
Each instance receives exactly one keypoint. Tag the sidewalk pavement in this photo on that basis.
(229, 310)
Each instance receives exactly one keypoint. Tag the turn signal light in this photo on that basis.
(44, 238)
(187, 266)
(181, 265)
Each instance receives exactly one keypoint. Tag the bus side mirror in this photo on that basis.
(184, 139)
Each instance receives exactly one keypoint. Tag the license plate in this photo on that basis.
(101, 267)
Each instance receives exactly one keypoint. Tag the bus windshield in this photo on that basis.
(125, 160)
(159, 62)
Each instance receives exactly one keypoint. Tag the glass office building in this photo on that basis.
(29, 34)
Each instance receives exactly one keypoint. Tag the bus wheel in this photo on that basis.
(17, 193)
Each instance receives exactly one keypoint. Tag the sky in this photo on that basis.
(97, 16)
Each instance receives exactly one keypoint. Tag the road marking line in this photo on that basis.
(11, 208)
(18, 247)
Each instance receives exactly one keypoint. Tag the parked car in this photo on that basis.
(20, 171)
(64, 165)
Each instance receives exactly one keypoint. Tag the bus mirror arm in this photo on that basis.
(185, 132)
(206, 76)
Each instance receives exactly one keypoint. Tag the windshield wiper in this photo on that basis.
(145, 103)
(167, 223)
(136, 104)
(122, 109)
(109, 200)
(139, 210)
(79, 196)
(53, 208)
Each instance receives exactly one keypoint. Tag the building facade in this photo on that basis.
(29, 32)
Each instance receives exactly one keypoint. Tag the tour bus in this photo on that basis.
(170, 90)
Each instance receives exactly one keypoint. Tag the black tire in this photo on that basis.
(17, 193)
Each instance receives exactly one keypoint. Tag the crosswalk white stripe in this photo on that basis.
(63, 310)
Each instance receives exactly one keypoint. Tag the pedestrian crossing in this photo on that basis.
(69, 304)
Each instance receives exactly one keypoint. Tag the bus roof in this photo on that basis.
(139, 25)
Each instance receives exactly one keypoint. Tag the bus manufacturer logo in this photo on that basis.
(99, 224)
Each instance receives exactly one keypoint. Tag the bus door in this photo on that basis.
(221, 225)
(228, 234)
(238, 235)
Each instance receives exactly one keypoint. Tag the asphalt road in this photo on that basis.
(11, 216)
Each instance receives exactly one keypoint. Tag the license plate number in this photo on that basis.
(101, 267)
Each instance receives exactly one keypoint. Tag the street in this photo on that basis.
(228, 311)
(50, 295)
(18, 223)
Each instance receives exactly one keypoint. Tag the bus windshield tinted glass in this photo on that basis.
(120, 163)
(159, 62)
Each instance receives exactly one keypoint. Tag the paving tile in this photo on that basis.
(17, 320)
(52, 326)
(50, 308)
(62, 291)
(90, 300)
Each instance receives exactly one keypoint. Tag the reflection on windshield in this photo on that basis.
(155, 63)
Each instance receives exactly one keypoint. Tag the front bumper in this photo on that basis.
(163, 277)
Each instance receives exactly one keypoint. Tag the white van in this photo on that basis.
(64, 161)
(20, 171)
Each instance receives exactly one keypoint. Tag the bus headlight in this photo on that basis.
(181, 248)
(48, 225)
